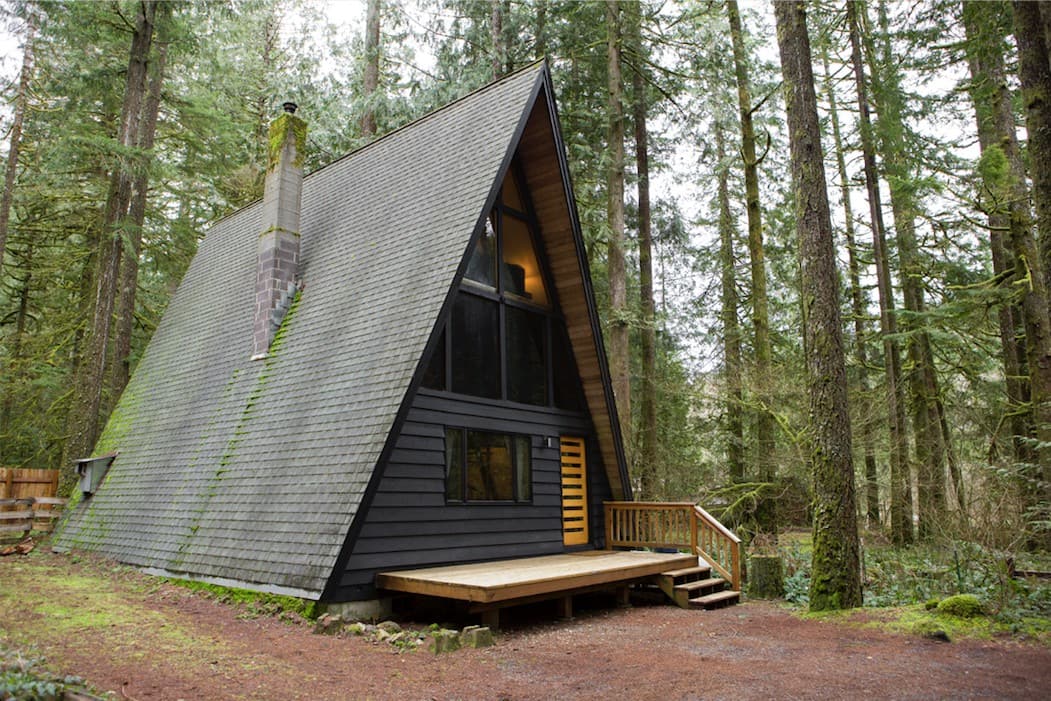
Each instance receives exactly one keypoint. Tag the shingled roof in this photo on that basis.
(253, 471)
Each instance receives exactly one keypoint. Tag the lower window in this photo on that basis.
(484, 466)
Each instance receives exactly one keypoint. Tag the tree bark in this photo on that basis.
(766, 426)
(1034, 74)
(87, 399)
(647, 458)
(857, 308)
(15, 141)
(732, 364)
(835, 572)
(1005, 191)
(15, 371)
(900, 500)
(371, 78)
(619, 361)
(496, 33)
(129, 268)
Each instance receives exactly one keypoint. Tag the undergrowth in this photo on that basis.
(23, 677)
(918, 578)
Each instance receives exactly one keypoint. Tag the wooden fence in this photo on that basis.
(24, 483)
(27, 500)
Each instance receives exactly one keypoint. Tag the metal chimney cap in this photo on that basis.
(289, 107)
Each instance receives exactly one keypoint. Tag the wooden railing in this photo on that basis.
(680, 525)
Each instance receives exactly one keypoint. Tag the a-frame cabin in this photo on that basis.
(400, 367)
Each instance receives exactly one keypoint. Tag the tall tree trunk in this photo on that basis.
(732, 364)
(372, 67)
(15, 142)
(766, 426)
(835, 580)
(923, 384)
(87, 397)
(496, 31)
(540, 47)
(648, 439)
(619, 360)
(1006, 191)
(857, 308)
(129, 268)
(900, 499)
(1035, 76)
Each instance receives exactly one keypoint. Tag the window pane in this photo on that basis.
(510, 195)
(482, 266)
(454, 464)
(490, 475)
(526, 353)
(568, 395)
(434, 375)
(476, 346)
(520, 269)
(524, 463)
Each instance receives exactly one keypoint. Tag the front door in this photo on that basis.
(574, 491)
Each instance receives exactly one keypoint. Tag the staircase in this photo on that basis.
(695, 588)
(682, 526)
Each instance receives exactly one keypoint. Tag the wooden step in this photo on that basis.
(727, 597)
(702, 586)
(688, 574)
(683, 593)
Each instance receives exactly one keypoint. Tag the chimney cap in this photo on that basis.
(289, 107)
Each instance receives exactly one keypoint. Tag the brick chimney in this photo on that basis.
(276, 279)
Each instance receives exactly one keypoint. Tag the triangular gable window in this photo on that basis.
(508, 239)
(505, 338)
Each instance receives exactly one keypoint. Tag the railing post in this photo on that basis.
(609, 526)
(693, 532)
(735, 560)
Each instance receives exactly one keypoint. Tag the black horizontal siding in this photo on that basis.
(410, 525)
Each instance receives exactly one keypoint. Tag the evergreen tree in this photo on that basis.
(835, 580)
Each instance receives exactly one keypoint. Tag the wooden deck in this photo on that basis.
(506, 582)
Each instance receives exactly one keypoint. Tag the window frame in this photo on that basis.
(553, 321)
(464, 469)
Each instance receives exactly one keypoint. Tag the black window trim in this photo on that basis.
(464, 430)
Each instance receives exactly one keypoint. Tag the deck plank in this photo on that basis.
(505, 580)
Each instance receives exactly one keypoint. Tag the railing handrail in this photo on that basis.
(731, 547)
(714, 523)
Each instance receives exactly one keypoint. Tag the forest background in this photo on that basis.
(132, 125)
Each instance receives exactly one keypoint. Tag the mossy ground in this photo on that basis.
(50, 603)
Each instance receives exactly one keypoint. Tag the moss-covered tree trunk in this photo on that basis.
(1003, 179)
(84, 416)
(1034, 74)
(765, 424)
(835, 572)
(120, 371)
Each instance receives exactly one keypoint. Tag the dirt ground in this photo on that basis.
(141, 638)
